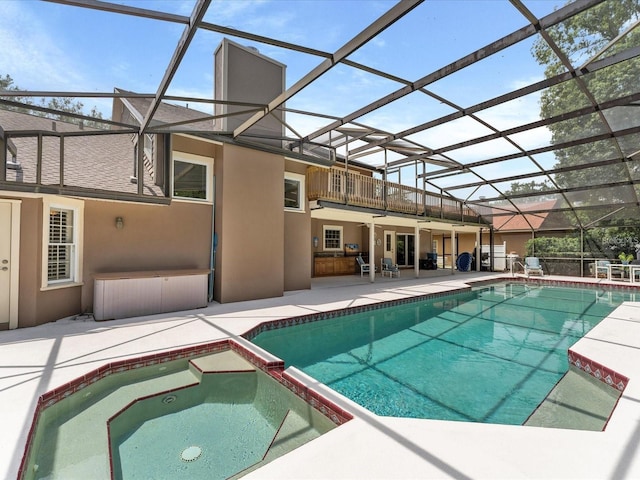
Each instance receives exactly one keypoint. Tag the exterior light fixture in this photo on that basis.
(119, 223)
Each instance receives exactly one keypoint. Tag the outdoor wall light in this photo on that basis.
(315, 242)
(119, 223)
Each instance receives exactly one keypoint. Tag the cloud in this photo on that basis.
(29, 53)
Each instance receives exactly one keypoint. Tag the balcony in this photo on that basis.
(349, 188)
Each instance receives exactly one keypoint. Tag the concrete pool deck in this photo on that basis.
(36, 360)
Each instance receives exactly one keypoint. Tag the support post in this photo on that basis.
(478, 253)
(454, 250)
(372, 252)
(416, 251)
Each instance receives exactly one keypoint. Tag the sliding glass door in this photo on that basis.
(405, 249)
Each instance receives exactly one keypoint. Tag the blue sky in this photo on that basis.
(55, 47)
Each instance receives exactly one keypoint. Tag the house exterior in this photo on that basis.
(515, 230)
(81, 205)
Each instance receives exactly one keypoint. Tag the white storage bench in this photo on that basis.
(130, 294)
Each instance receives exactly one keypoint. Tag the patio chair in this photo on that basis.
(532, 265)
(602, 267)
(386, 266)
(364, 267)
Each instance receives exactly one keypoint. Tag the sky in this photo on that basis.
(51, 47)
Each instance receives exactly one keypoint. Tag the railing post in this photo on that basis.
(3, 156)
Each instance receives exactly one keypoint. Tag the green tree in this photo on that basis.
(582, 38)
(528, 187)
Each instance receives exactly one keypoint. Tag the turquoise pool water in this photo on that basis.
(490, 355)
(213, 430)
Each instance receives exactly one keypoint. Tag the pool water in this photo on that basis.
(489, 355)
(214, 430)
(232, 438)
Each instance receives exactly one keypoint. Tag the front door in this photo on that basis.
(9, 239)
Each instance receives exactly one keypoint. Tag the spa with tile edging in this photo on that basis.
(265, 363)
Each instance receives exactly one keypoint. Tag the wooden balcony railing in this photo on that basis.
(359, 190)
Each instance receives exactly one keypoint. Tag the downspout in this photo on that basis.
(372, 251)
(214, 243)
(416, 251)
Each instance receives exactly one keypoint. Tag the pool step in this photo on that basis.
(220, 362)
(578, 402)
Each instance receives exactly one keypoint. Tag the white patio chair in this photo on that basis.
(364, 267)
(532, 265)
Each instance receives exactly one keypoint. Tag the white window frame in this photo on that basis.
(324, 238)
(296, 177)
(197, 160)
(76, 207)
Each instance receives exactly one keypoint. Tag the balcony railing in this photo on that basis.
(363, 191)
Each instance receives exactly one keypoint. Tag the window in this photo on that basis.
(332, 237)
(12, 156)
(62, 231)
(61, 245)
(294, 199)
(192, 177)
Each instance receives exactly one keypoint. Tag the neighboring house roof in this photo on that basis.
(524, 221)
(102, 162)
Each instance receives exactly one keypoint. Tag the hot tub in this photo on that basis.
(215, 412)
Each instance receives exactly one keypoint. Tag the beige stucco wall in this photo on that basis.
(250, 225)
(351, 233)
(515, 241)
(176, 236)
(466, 242)
(297, 241)
(35, 306)
(153, 238)
(191, 145)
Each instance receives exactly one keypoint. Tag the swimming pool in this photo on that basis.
(487, 355)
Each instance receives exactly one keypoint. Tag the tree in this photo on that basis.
(63, 104)
(593, 34)
(529, 187)
(581, 38)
